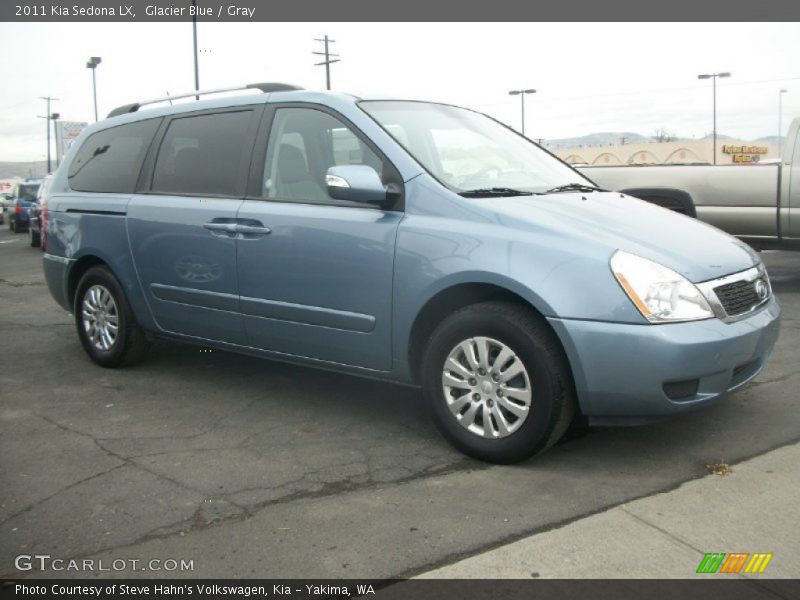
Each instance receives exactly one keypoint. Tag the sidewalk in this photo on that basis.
(754, 509)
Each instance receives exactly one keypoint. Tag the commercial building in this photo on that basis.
(676, 152)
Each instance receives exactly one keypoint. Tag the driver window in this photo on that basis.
(303, 144)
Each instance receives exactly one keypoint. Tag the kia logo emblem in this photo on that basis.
(761, 289)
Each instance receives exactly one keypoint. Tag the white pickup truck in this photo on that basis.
(759, 203)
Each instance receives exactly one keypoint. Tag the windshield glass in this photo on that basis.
(28, 191)
(467, 151)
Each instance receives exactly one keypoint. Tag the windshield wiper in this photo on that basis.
(494, 191)
(574, 187)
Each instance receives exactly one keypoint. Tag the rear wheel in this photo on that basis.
(35, 237)
(106, 326)
(497, 382)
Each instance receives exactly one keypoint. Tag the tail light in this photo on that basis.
(18, 209)
(43, 217)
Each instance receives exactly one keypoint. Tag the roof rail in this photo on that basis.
(264, 87)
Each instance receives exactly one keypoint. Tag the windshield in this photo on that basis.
(28, 191)
(468, 151)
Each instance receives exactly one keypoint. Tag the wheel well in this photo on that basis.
(445, 303)
(82, 265)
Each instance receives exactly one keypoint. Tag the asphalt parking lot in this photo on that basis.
(256, 469)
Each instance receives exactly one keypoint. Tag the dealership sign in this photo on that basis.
(745, 154)
(66, 133)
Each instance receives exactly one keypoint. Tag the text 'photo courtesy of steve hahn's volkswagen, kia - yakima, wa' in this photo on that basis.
(413, 242)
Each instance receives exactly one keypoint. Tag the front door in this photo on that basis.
(181, 231)
(315, 276)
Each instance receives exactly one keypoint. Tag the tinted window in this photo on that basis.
(202, 155)
(303, 144)
(110, 160)
(27, 191)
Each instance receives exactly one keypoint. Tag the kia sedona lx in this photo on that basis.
(413, 242)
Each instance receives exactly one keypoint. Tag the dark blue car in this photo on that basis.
(18, 210)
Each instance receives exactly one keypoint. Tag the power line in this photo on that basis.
(329, 58)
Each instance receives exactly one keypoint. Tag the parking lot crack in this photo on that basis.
(74, 484)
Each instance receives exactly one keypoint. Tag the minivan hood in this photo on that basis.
(695, 249)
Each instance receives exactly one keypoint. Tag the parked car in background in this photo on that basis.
(36, 213)
(5, 199)
(758, 203)
(17, 212)
(412, 242)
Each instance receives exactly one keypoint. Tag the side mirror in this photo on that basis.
(356, 183)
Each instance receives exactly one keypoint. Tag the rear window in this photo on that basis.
(27, 191)
(110, 160)
(203, 154)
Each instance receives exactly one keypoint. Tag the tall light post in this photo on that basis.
(780, 123)
(54, 118)
(713, 77)
(92, 64)
(521, 94)
(194, 37)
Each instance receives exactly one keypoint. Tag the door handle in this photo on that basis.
(253, 229)
(226, 227)
(227, 230)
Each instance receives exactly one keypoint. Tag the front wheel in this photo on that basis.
(106, 326)
(497, 382)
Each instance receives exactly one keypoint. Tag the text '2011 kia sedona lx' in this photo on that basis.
(413, 242)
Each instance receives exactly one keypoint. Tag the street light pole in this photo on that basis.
(521, 94)
(780, 123)
(92, 64)
(54, 118)
(194, 36)
(713, 77)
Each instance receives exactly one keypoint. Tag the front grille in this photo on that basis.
(739, 296)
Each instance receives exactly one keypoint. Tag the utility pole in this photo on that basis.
(622, 140)
(47, 118)
(329, 59)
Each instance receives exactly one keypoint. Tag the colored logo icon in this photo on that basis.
(735, 562)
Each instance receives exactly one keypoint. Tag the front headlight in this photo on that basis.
(660, 294)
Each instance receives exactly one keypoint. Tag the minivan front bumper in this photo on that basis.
(620, 370)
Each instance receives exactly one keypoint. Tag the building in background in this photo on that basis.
(674, 152)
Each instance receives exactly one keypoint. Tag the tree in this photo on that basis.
(661, 136)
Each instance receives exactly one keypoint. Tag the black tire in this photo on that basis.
(130, 345)
(553, 402)
(11, 225)
(35, 237)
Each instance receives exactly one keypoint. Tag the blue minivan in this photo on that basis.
(413, 242)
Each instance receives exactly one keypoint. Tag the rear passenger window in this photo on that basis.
(110, 160)
(203, 155)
